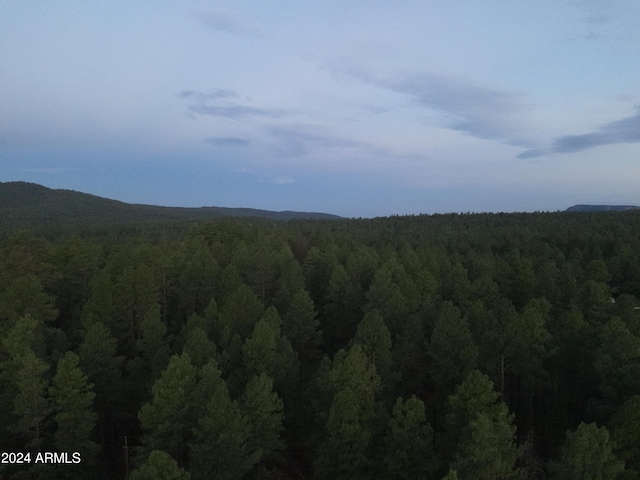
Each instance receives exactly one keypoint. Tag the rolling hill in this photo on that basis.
(29, 205)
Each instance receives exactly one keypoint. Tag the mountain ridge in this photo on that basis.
(25, 204)
(601, 208)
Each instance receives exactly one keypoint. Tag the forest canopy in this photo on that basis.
(469, 346)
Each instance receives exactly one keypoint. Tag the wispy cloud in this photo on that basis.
(213, 95)
(625, 130)
(300, 140)
(230, 23)
(598, 19)
(227, 142)
(48, 170)
(227, 104)
(470, 108)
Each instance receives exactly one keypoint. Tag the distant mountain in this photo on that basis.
(25, 204)
(601, 208)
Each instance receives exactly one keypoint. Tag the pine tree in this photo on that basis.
(345, 453)
(625, 431)
(452, 348)
(221, 447)
(26, 296)
(196, 341)
(373, 336)
(587, 455)
(302, 328)
(99, 361)
(239, 315)
(476, 417)
(165, 418)
(490, 452)
(265, 412)
(343, 309)
(409, 442)
(159, 466)
(31, 404)
(267, 351)
(72, 398)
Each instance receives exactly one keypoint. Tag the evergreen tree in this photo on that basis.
(31, 404)
(265, 412)
(26, 296)
(452, 475)
(587, 455)
(479, 430)
(625, 431)
(409, 442)
(159, 466)
(165, 418)
(222, 445)
(490, 452)
(153, 351)
(345, 453)
(28, 334)
(267, 351)
(452, 348)
(196, 342)
(393, 294)
(239, 315)
(617, 364)
(99, 361)
(374, 338)
(72, 398)
(343, 309)
(302, 328)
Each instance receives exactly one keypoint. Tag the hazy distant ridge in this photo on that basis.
(601, 208)
(24, 204)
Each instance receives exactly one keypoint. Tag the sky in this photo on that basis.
(359, 108)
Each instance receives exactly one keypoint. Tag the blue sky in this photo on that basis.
(352, 107)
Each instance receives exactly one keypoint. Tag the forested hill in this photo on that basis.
(601, 208)
(25, 204)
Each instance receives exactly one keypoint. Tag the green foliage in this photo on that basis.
(267, 351)
(545, 306)
(587, 455)
(344, 451)
(72, 398)
(344, 454)
(31, 404)
(26, 296)
(490, 452)
(222, 445)
(302, 328)
(374, 338)
(196, 341)
(473, 398)
(159, 466)
(265, 412)
(409, 442)
(101, 364)
(165, 418)
(617, 364)
(239, 315)
(625, 430)
(452, 348)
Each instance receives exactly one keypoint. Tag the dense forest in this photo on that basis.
(472, 346)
